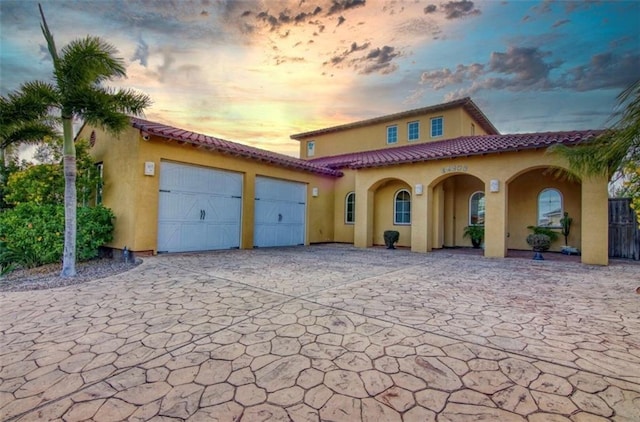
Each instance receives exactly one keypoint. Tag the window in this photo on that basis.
(473, 129)
(100, 185)
(402, 208)
(311, 148)
(549, 208)
(476, 209)
(392, 134)
(350, 208)
(436, 127)
(413, 129)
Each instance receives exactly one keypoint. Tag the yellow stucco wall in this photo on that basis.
(456, 122)
(343, 232)
(134, 197)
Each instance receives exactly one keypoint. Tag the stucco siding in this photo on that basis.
(456, 122)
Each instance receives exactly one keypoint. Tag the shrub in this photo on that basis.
(33, 234)
(44, 183)
(539, 242)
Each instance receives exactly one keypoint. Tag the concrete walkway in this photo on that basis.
(328, 333)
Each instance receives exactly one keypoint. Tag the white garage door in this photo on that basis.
(199, 208)
(280, 208)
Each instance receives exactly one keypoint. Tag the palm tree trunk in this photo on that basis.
(2, 181)
(70, 201)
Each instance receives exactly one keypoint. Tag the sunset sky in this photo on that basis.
(256, 72)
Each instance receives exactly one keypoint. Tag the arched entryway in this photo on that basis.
(392, 210)
(539, 196)
(457, 202)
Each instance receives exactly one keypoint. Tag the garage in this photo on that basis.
(199, 208)
(280, 209)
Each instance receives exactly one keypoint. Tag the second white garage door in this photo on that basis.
(280, 209)
(199, 208)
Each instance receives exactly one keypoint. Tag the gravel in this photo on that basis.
(48, 276)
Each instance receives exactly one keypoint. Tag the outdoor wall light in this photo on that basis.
(314, 192)
(494, 185)
(419, 189)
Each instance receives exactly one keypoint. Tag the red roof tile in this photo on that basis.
(457, 147)
(230, 148)
(465, 103)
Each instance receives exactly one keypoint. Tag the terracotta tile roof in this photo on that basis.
(230, 148)
(457, 147)
(465, 103)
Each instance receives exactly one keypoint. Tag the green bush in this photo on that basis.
(44, 183)
(33, 234)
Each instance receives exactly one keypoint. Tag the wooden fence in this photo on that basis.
(624, 234)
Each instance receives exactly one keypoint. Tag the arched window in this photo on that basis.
(476, 209)
(350, 208)
(402, 207)
(549, 208)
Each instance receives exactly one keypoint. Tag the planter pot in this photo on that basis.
(476, 243)
(390, 238)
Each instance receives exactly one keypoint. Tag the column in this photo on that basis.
(495, 219)
(595, 221)
(363, 230)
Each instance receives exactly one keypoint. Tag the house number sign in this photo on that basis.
(450, 169)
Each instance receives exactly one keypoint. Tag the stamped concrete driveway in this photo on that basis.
(328, 333)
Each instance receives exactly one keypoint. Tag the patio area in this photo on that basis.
(331, 333)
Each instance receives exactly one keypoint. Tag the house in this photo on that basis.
(427, 173)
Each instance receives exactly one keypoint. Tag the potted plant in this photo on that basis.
(391, 237)
(475, 233)
(539, 243)
(566, 221)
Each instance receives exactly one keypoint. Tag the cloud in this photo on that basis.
(339, 6)
(430, 9)
(530, 69)
(142, 53)
(605, 70)
(380, 61)
(377, 60)
(560, 23)
(442, 78)
(526, 64)
(459, 9)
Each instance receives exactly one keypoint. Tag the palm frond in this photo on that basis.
(27, 132)
(32, 101)
(51, 45)
(613, 148)
(88, 62)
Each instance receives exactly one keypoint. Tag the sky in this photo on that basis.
(256, 72)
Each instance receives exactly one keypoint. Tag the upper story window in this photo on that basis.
(311, 148)
(350, 208)
(550, 208)
(413, 130)
(392, 134)
(437, 127)
(476, 209)
(402, 207)
(473, 129)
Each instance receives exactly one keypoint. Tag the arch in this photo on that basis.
(402, 207)
(551, 169)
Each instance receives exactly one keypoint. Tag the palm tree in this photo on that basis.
(79, 71)
(24, 118)
(616, 150)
